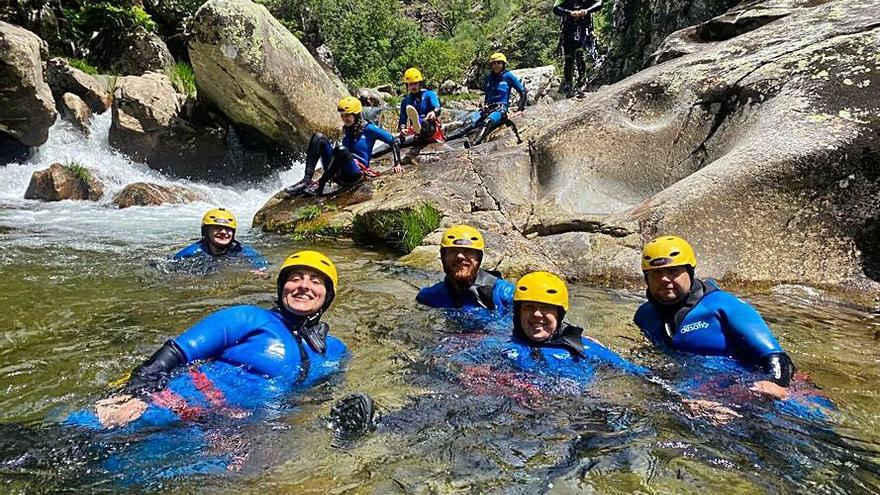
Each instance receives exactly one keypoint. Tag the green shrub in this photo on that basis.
(309, 212)
(399, 230)
(183, 78)
(436, 58)
(79, 171)
(83, 65)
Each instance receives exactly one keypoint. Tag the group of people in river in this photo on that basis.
(291, 348)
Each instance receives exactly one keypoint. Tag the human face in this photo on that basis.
(414, 87)
(220, 235)
(461, 263)
(538, 320)
(669, 285)
(497, 67)
(304, 292)
(347, 119)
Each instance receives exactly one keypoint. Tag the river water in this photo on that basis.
(87, 297)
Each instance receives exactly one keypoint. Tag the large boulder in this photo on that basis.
(64, 78)
(147, 194)
(60, 182)
(146, 52)
(148, 126)
(537, 80)
(26, 106)
(259, 74)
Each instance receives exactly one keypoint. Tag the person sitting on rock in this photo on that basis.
(348, 162)
(576, 39)
(493, 113)
(218, 240)
(419, 112)
(465, 284)
(686, 314)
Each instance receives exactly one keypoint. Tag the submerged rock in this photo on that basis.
(27, 109)
(60, 182)
(259, 74)
(147, 194)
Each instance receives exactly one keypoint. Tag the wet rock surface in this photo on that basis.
(63, 78)
(146, 194)
(761, 149)
(60, 182)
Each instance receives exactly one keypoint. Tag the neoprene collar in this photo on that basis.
(481, 289)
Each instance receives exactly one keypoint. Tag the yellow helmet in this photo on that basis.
(313, 260)
(463, 236)
(221, 217)
(542, 287)
(667, 251)
(349, 104)
(497, 57)
(412, 75)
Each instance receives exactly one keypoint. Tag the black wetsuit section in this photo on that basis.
(576, 38)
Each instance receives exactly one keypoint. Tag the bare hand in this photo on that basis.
(398, 169)
(713, 411)
(431, 116)
(260, 272)
(119, 410)
(768, 388)
(402, 134)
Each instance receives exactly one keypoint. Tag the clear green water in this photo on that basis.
(84, 304)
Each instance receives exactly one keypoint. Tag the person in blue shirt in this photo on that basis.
(686, 314)
(419, 111)
(499, 83)
(349, 161)
(218, 240)
(465, 284)
(241, 357)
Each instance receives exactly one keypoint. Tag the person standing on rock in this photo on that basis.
(348, 162)
(218, 240)
(686, 314)
(465, 284)
(419, 111)
(498, 86)
(576, 39)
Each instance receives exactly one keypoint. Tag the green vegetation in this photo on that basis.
(83, 65)
(308, 224)
(400, 230)
(183, 78)
(79, 171)
(374, 41)
(306, 213)
(102, 30)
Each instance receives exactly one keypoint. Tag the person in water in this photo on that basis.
(288, 347)
(465, 284)
(218, 240)
(498, 85)
(686, 314)
(576, 39)
(419, 111)
(348, 162)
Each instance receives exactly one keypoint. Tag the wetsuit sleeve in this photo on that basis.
(402, 120)
(193, 249)
(254, 258)
(520, 88)
(779, 369)
(559, 8)
(386, 137)
(434, 100)
(503, 294)
(434, 296)
(153, 373)
(217, 332)
(595, 350)
(750, 334)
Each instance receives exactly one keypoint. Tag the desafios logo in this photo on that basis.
(698, 325)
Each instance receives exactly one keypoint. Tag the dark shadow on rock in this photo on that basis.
(12, 150)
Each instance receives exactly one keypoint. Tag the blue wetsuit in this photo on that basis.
(360, 149)
(711, 322)
(249, 355)
(497, 88)
(237, 250)
(424, 101)
(488, 291)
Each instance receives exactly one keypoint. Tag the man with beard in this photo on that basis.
(466, 285)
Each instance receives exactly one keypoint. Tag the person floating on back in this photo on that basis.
(348, 162)
(218, 241)
(499, 83)
(465, 284)
(686, 314)
(419, 111)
